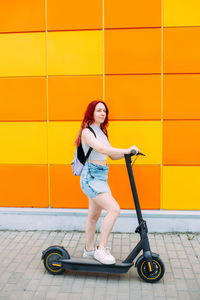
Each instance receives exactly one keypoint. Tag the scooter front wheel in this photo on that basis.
(51, 262)
(158, 270)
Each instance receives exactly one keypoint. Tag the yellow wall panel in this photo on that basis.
(61, 137)
(75, 52)
(181, 13)
(146, 135)
(23, 142)
(181, 188)
(22, 54)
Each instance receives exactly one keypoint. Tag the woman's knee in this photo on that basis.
(94, 216)
(94, 211)
(116, 210)
(107, 202)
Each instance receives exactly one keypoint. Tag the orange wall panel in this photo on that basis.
(129, 13)
(24, 185)
(181, 50)
(66, 191)
(147, 180)
(181, 144)
(130, 51)
(68, 96)
(22, 15)
(23, 98)
(66, 15)
(181, 97)
(133, 96)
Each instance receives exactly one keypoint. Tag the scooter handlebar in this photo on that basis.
(133, 153)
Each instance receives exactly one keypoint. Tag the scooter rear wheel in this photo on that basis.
(51, 262)
(158, 267)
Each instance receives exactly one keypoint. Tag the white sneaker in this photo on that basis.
(103, 255)
(88, 254)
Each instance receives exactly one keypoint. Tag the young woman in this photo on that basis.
(94, 176)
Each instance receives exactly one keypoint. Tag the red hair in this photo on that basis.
(89, 119)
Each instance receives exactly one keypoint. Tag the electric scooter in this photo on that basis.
(149, 266)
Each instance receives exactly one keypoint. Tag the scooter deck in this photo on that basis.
(91, 265)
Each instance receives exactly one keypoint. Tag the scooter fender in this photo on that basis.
(64, 252)
(153, 255)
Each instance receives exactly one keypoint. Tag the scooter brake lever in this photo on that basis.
(139, 153)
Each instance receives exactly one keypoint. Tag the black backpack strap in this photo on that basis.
(90, 150)
(90, 128)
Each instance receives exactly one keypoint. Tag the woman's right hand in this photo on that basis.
(133, 148)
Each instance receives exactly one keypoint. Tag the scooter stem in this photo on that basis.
(133, 187)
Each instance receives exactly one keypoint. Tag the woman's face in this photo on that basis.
(99, 113)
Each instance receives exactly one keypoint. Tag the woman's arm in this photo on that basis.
(116, 156)
(117, 153)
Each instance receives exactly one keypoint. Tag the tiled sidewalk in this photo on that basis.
(23, 277)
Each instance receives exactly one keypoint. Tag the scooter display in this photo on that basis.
(149, 265)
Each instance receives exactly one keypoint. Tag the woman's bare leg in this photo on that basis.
(107, 202)
(94, 213)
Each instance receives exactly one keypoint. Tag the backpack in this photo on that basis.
(80, 158)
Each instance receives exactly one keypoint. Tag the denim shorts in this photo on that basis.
(93, 179)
